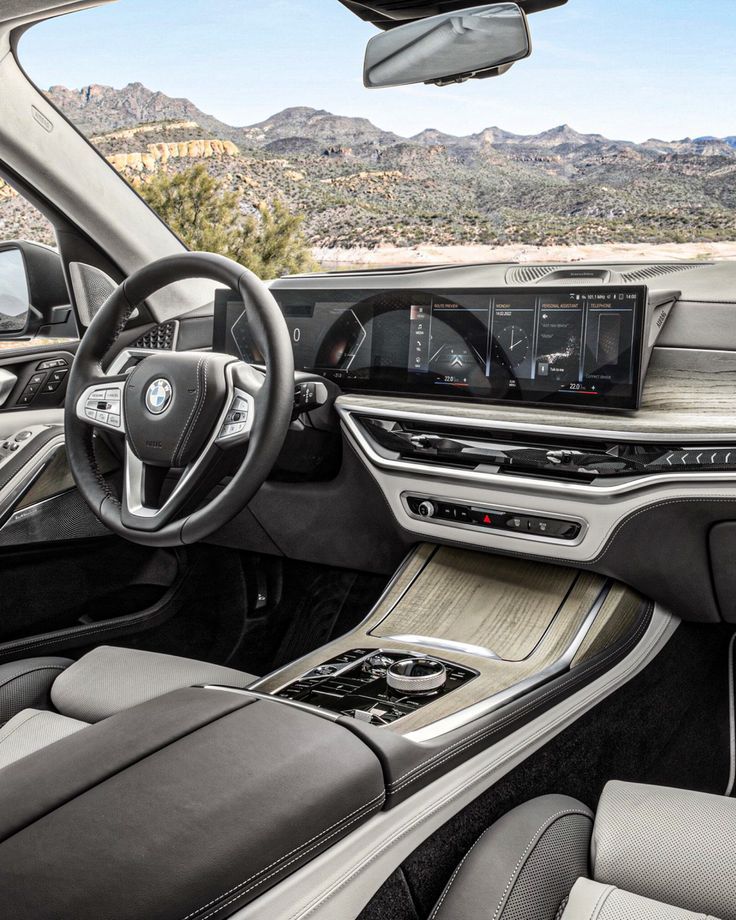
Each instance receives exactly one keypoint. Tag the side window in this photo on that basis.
(34, 301)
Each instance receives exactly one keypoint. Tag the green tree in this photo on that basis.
(208, 217)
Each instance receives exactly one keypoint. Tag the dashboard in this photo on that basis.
(576, 345)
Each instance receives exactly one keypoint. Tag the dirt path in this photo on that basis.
(601, 252)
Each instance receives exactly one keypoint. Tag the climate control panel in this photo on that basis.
(484, 517)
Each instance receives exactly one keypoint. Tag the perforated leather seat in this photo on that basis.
(650, 853)
(45, 699)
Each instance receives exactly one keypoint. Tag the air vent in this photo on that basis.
(160, 338)
(528, 274)
(666, 268)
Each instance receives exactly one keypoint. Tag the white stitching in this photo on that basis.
(436, 759)
(448, 886)
(191, 413)
(200, 405)
(602, 898)
(4, 738)
(282, 867)
(529, 847)
(281, 859)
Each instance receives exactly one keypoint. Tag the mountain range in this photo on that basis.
(360, 186)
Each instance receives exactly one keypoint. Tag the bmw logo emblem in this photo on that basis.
(158, 396)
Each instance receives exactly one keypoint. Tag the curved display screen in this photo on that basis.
(559, 345)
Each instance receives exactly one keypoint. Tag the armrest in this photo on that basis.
(188, 806)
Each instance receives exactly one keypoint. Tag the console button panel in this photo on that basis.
(354, 684)
(486, 518)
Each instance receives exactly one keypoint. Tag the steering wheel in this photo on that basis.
(178, 411)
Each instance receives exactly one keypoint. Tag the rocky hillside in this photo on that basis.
(358, 185)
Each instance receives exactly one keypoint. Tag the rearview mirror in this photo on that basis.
(482, 41)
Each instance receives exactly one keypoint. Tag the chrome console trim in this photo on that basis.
(462, 717)
(489, 475)
(345, 407)
(445, 645)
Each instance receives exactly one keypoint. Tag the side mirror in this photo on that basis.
(33, 292)
(483, 41)
(15, 301)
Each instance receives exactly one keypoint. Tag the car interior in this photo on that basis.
(394, 594)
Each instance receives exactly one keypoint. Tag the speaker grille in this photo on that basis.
(654, 271)
(160, 338)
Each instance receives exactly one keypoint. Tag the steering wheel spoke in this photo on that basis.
(237, 424)
(101, 404)
(143, 505)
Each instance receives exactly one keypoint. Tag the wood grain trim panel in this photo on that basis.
(502, 604)
(616, 616)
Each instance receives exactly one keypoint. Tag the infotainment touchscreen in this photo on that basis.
(559, 345)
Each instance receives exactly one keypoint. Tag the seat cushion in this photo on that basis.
(33, 729)
(25, 684)
(594, 901)
(670, 845)
(109, 679)
(523, 867)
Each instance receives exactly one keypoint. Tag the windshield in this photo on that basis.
(248, 129)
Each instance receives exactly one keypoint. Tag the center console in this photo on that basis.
(377, 686)
(459, 636)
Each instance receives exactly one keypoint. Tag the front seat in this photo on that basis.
(650, 853)
(45, 699)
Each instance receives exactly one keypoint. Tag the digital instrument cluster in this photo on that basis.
(570, 346)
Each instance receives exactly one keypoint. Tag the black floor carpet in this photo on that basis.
(668, 726)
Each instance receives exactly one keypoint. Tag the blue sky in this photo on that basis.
(625, 68)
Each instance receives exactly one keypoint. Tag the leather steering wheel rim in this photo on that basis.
(271, 398)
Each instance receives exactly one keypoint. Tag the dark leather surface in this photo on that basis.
(722, 544)
(491, 877)
(35, 787)
(273, 402)
(176, 436)
(196, 829)
(409, 765)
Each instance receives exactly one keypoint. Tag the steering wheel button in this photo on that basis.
(114, 420)
(101, 416)
(98, 394)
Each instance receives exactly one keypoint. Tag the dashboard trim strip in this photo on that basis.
(596, 492)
